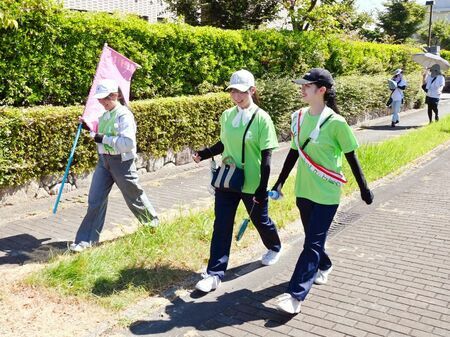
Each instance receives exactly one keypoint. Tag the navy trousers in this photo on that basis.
(226, 204)
(316, 219)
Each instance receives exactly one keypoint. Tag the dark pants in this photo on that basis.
(226, 204)
(316, 219)
(432, 107)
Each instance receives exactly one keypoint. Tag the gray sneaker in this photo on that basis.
(322, 276)
(80, 246)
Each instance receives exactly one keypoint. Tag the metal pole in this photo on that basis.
(66, 173)
(429, 26)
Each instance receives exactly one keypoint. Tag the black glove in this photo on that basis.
(367, 196)
(261, 195)
(84, 126)
(98, 138)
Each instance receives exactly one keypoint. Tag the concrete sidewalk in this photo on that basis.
(390, 277)
(29, 230)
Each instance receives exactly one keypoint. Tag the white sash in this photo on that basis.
(328, 175)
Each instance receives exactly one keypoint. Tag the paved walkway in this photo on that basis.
(391, 275)
(29, 230)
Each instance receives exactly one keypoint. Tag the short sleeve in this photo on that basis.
(267, 134)
(345, 137)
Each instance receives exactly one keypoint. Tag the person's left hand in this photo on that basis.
(367, 196)
(260, 196)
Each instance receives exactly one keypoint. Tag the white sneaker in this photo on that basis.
(270, 258)
(289, 304)
(208, 283)
(322, 276)
(80, 246)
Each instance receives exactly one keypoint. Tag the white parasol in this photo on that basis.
(428, 59)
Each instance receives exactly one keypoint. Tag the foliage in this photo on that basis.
(401, 19)
(150, 261)
(51, 59)
(325, 16)
(440, 34)
(35, 142)
(227, 14)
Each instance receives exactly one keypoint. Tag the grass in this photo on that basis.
(118, 273)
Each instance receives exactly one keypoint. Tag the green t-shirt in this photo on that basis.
(335, 138)
(260, 136)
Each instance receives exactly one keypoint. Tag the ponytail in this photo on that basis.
(330, 99)
(121, 99)
(256, 99)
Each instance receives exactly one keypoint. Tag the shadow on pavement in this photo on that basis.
(229, 309)
(389, 127)
(25, 248)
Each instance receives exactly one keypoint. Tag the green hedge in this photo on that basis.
(52, 57)
(35, 142)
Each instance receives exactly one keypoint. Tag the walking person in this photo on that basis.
(116, 145)
(319, 137)
(397, 96)
(433, 84)
(260, 140)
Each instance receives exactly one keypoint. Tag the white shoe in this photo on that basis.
(289, 304)
(322, 276)
(80, 246)
(270, 258)
(208, 283)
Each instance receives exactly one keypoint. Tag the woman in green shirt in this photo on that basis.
(319, 138)
(260, 139)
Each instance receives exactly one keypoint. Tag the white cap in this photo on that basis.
(242, 80)
(106, 87)
(397, 71)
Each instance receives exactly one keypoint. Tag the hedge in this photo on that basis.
(35, 142)
(51, 58)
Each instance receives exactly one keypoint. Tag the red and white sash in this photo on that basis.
(328, 175)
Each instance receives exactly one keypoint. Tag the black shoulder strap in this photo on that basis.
(309, 138)
(243, 138)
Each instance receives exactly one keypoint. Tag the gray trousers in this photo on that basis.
(110, 169)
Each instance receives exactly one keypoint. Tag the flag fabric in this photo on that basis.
(114, 66)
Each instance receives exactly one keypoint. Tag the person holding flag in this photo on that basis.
(319, 137)
(116, 144)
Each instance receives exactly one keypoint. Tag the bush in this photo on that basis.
(35, 142)
(51, 58)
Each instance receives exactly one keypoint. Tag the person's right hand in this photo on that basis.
(367, 196)
(83, 124)
(196, 157)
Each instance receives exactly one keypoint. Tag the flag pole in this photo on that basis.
(72, 152)
(69, 162)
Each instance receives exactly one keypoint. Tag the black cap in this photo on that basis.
(317, 75)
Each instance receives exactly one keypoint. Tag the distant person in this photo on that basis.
(320, 136)
(397, 85)
(116, 146)
(433, 84)
(260, 140)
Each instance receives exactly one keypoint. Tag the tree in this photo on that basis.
(325, 16)
(440, 34)
(401, 19)
(227, 14)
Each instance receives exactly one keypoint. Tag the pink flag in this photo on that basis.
(114, 66)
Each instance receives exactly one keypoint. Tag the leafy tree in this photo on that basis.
(227, 14)
(325, 16)
(440, 34)
(401, 19)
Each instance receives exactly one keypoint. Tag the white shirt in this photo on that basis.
(397, 94)
(435, 88)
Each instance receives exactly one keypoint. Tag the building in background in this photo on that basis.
(150, 10)
(441, 10)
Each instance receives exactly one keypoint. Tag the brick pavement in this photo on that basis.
(390, 278)
(384, 283)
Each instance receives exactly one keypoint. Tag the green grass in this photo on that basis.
(118, 273)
